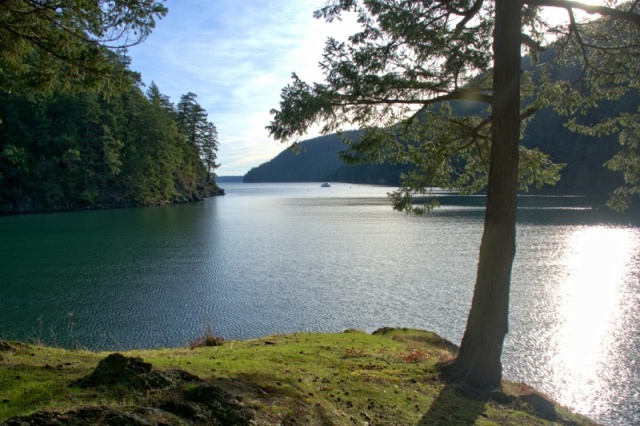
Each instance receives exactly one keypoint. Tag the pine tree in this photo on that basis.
(71, 44)
(394, 80)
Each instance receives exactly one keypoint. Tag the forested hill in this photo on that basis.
(63, 151)
(317, 161)
(584, 157)
(77, 129)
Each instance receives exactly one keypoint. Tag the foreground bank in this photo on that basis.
(385, 378)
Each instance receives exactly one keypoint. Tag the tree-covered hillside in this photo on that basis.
(583, 156)
(62, 150)
(317, 160)
(76, 128)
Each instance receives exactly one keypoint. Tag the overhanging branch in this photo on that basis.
(589, 8)
(455, 96)
(468, 15)
(532, 44)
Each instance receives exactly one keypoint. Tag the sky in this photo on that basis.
(236, 56)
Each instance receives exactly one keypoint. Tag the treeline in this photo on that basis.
(584, 156)
(62, 150)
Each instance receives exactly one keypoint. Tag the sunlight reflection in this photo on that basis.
(590, 302)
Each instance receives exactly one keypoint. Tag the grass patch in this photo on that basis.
(388, 378)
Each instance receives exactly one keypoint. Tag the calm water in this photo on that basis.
(279, 258)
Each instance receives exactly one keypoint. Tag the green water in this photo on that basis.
(59, 270)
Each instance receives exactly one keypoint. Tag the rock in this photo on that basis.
(541, 405)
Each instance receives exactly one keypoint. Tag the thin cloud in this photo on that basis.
(236, 56)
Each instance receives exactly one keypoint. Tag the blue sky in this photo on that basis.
(236, 56)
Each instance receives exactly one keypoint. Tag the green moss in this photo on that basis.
(342, 378)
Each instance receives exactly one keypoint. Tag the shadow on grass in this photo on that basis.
(451, 407)
(286, 399)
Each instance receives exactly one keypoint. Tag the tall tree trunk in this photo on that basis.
(478, 363)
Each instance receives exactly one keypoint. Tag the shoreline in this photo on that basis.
(181, 199)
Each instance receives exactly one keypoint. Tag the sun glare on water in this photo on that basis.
(592, 302)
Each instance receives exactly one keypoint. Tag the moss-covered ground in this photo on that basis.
(350, 378)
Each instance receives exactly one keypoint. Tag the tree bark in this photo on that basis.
(478, 363)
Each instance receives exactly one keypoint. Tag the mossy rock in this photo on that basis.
(422, 337)
(119, 370)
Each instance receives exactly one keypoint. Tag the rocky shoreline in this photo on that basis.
(183, 197)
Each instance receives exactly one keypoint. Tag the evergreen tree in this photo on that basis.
(192, 118)
(157, 98)
(73, 44)
(151, 152)
(392, 78)
(74, 150)
(209, 149)
(628, 162)
(193, 122)
(75, 130)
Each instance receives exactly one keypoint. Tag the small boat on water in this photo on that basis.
(325, 185)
